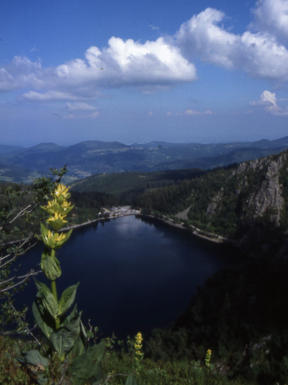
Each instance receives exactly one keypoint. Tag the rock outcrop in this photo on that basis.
(269, 198)
(259, 181)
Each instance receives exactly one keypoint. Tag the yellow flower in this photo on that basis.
(208, 358)
(61, 189)
(138, 346)
(57, 221)
(139, 338)
(66, 207)
(61, 193)
(54, 240)
(53, 207)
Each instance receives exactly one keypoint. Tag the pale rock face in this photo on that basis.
(212, 207)
(268, 197)
(270, 193)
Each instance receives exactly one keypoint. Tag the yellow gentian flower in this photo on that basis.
(61, 193)
(57, 221)
(54, 240)
(208, 358)
(138, 346)
(53, 207)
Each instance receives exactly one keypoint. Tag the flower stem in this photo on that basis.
(54, 292)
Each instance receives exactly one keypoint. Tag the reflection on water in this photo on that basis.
(135, 274)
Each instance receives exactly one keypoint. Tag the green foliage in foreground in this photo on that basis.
(116, 367)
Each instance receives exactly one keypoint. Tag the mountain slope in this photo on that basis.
(95, 157)
(229, 201)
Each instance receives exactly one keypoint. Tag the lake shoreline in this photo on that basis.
(194, 230)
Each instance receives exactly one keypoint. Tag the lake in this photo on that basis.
(135, 274)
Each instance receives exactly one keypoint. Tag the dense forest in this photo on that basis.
(88, 205)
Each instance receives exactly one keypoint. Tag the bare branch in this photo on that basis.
(25, 278)
(23, 324)
(65, 370)
(27, 249)
(3, 258)
(113, 375)
(15, 254)
(23, 240)
(11, 333)
(7, 262)
(22, 212)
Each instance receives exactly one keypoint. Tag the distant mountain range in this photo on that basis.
(21, 164)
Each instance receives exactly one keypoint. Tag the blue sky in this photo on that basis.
(138, 71)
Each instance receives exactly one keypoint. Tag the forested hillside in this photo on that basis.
(126, 186)
(18, 164)
(241, 312)
(226, 200)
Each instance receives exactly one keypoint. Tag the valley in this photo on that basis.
(241, 205)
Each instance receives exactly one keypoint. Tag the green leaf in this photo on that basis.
(67, 299)
(42, 378)
(40, 285)
(33, 357)
(48, 299)
(44, 231)
(50, 265)
(78, 348)
(64, 338)
(71, 316)
(40, 319)
(131, 380)
(87, 366)
(81, 344)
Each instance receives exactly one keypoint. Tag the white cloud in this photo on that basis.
(94, 115)
(129, 63)
(49, 95)
(195, 112)
(258, 54)
(80, 106)
(153, 27)
(157, 65)
(21, 73)
(269, 101)
(151, 66)
(272, 16)
(267, 96)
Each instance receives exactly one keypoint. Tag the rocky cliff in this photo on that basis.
(262, 198)
(254, 192)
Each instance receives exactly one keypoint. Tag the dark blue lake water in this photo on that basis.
(135, 274)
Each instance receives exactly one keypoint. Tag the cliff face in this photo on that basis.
(231, 201)
(269, 198)
(259, 182)
(254, 194)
